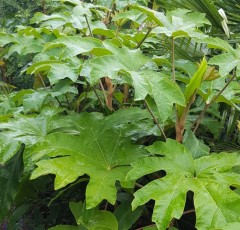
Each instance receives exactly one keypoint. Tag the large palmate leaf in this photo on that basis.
(74, 45)
(217, 43)
(56, 19)
(226, 61)
(30, 130)
(177, 23)
(177, 27)
(56, 70)
(230, 95)
(26, 44)
(131, 62)
(103, 150)
(158, 17)
(161, 88)
(110, 65)
(5, 39)
(133, 15)
(209, 177)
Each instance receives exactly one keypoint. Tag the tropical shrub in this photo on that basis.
(118, 129)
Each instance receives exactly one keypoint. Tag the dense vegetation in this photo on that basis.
(120, 115)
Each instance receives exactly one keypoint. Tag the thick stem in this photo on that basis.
(173, 60)
(180, 123)
(110, 91)
(179, 127)
(125, 93)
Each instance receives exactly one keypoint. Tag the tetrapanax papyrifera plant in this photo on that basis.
(123, 93)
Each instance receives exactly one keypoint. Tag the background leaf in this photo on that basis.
(125, 216)
(10, 175)
(195, 146)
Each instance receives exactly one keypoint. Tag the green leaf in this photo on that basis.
(5, 39)
(110, 65)
(122, 59)
(226, 63)
(10, 175)
(8, 148)
(163, 91)
(229, 95)
(229, 226)
(132, 115)
(35, 101)
(133, 15)
(217, 43)
(104, 32)
(208, 177)
(182, 23)
(63, 87)
(195, 146)
(179, 28)
(91, 153)
(41, 17)
(187, 66)
(93, 218)
(133, 59)
(161, 61)
(30, 130)
(56, 70)
(107, 65)
(197, 18)
(74, 45)
(26, 44)
(158, 17)
(125, 216)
